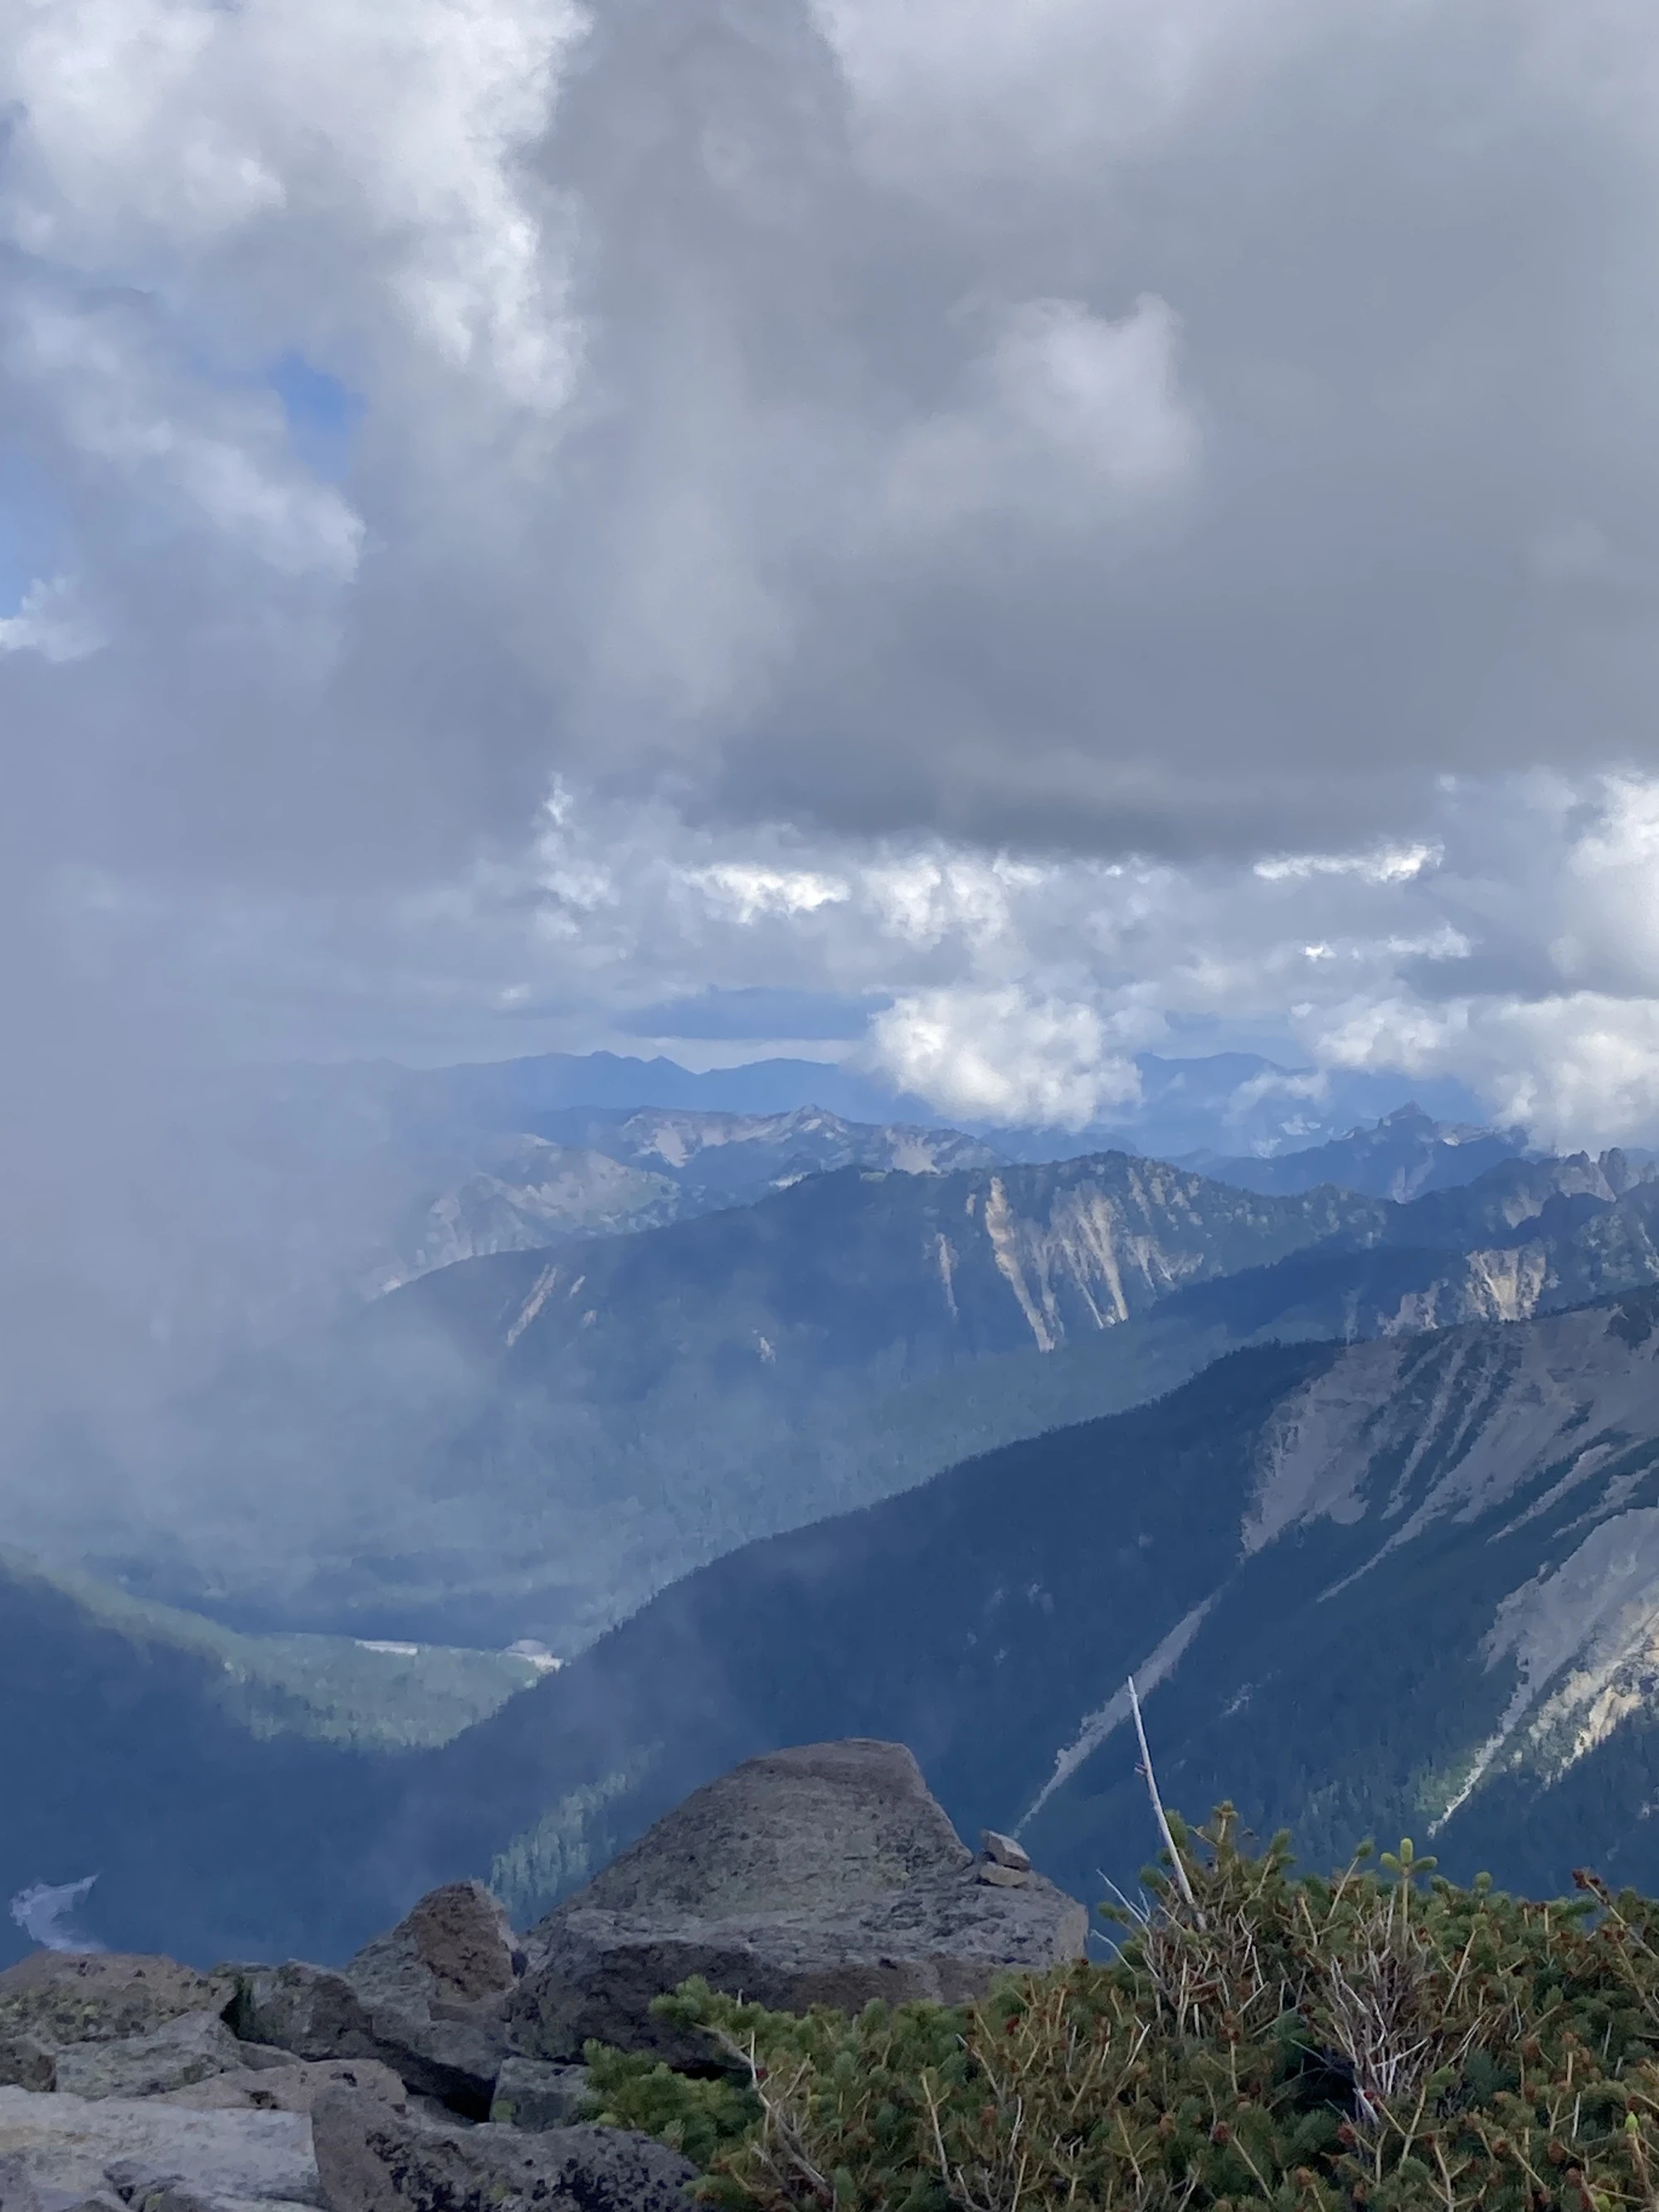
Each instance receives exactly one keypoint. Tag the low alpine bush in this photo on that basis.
(1383, 2039)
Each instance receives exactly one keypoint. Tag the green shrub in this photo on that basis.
(1383, 2039)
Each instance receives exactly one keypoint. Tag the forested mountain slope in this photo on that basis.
(1402, 1586)
(531, 1444)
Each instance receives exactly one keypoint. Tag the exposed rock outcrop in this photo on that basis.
(826, 1874)
(372, 2159)
(54, 1999)
(425, 1999)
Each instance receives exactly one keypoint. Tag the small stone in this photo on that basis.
(462, 1937)
(1001, 1877)
(1006, 1851)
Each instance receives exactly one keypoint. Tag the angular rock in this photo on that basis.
(60, 2151)
(425, 1999)
(1005, 1851)
(822, 1875)
(530, 2092)
(294, 2088)
(317, 2014)
(192, 2048)
(311, 2011)
(458, 1937)
(371, 2159)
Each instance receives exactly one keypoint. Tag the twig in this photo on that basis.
(1182, 1882)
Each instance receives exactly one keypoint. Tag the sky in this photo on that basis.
(987, 537)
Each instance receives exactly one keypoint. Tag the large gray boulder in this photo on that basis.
(53, 2001)
(425, 1999)
(60, 2151)
(827, 1874)
(371, 2158)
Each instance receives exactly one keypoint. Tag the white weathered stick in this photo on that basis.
(1185, 1887)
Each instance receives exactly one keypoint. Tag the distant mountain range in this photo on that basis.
(1230, 1104)
(592, 1171)
(587, 1170)
(292, 1193)
(1403, 1155)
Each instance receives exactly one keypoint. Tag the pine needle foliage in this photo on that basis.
(1383, 2039)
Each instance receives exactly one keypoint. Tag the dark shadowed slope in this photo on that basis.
(233, 1796)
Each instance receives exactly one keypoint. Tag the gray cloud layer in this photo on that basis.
(1171, 429)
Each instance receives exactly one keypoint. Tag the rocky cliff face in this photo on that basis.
(611, 1174)
(717, 1158)
(530, 1194)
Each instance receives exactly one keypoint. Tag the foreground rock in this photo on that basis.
(61, 2151)
(426, 2000)
(372, 2159)
(54, 1999)
(823, 1876)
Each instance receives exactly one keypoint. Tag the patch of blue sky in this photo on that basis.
(30, 547)
(323, 414)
